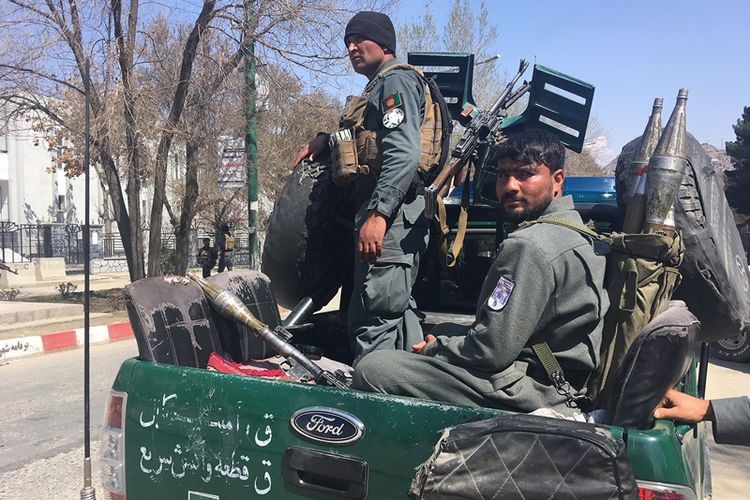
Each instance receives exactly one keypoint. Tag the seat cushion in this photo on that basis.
(172, 321)
(657, 360)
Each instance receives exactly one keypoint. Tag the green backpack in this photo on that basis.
(642, 272)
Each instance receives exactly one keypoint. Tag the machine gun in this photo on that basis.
(480, 125)
(229, 305)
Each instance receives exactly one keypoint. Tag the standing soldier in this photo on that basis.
(207, 257)
(225, 244)
(386, 136)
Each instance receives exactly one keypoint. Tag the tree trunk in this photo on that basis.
(162, 152)
(182, 231)
(130, 239)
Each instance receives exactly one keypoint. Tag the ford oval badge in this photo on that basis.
(326, 425)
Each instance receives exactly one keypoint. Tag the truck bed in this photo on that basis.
(199, 434)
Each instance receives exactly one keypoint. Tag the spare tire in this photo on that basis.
(309, 245)
(714, 272)
(735, 348)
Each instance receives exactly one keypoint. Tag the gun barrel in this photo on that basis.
(500, 102)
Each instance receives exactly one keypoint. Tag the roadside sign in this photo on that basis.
(231, 171)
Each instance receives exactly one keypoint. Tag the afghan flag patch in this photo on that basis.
(392, 101)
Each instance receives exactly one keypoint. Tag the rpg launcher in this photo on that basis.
(479, 126)
(229, 305)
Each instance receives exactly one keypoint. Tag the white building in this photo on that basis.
(29, 192)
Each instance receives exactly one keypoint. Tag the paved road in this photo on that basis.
(42, 423)
(41, 435)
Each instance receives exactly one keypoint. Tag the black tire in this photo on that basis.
(736, 348)
(309, 246)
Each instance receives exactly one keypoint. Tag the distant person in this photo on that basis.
(207, 256)
(730, 416)
(225, 244)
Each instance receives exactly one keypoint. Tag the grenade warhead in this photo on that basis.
(638, 171)
(666, 170)
(229, 305)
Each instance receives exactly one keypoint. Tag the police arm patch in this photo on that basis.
(500, 295)
(393, 118)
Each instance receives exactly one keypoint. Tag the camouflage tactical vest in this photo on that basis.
(357, 151)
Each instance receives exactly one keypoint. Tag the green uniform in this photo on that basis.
(546, 284)
(382, 313)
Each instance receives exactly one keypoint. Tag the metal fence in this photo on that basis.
(23, 242)
(113, 248)
(112, 244)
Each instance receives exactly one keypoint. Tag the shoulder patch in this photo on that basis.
(393, 118)
(500, 295)
(392, 101)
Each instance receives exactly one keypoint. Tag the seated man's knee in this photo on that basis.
(374, 371)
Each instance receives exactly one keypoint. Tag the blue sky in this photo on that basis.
(632, 52)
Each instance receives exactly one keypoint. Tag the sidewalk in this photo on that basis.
(32, 328)
(23, 339)
(103, 281)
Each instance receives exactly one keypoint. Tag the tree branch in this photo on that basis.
(42, 75)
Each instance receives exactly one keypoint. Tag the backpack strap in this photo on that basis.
(579, 228)
(541, 349)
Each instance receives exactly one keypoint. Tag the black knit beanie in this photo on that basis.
(374, 26)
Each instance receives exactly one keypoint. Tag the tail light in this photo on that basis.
(113, 447)
(648, 490)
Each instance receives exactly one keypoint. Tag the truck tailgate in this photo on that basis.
(197, 434)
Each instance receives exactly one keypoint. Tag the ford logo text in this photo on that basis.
(326, 425)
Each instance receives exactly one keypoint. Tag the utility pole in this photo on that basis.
(251, 136)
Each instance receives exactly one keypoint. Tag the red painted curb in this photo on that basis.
(59, 341)
(120, 331)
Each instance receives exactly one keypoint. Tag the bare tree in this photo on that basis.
(131, 136)
(582, 164)
(469, 30)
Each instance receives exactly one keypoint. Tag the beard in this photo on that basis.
(526, 213)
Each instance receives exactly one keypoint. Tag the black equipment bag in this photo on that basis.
(525, 457)
(714, 271)
(309, 245)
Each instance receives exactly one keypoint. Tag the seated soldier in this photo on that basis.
(545, 285)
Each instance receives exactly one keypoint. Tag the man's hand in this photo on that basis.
(419, 347)
(371, 235)
(679, 406)
(312, 149)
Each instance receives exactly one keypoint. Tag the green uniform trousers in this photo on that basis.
(415, 375)
(382, 313)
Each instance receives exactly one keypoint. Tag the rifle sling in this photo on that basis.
(463, 221)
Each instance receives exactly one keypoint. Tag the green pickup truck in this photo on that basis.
(176, 430)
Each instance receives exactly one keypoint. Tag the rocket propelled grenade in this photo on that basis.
(229, 305)
(638, 172)
(666, 170)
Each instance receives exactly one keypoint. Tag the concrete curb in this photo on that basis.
(34, 345)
